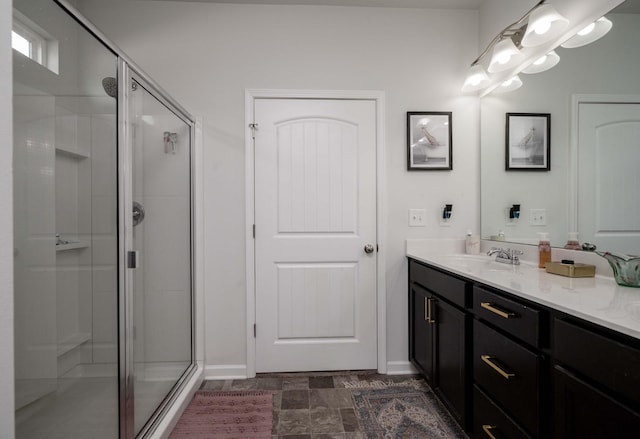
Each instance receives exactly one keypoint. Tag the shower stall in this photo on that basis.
(103, 234)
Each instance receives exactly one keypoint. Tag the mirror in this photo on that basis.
(577, 194)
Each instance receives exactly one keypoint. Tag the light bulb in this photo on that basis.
(505, 55)
(542, 27)
(510, 84)
(589, 33)
(545, 24)
(476, 79)
(587, 29)
(543, 63)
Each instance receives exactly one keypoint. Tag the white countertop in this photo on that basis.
(596, 299)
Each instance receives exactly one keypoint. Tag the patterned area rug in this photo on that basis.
(227, 415)
(403, 412)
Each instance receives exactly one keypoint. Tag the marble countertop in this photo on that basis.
(597, 299)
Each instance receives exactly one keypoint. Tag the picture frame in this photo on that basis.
(528, 142)
(429, 141)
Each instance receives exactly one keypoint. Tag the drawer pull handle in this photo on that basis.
(490, 307)
(487, 359)
(487, 429)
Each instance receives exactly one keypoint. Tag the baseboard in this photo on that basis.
(400, 368)
(239, 371)
(225, 372)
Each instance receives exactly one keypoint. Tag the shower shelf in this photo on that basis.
(72, 342)
(72, 152)
(72, 246)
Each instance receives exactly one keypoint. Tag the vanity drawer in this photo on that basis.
(509, 373)
(513, 317)
(489, 421)
(613, 364)
(444, 285)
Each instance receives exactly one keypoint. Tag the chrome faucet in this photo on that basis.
(507, 256)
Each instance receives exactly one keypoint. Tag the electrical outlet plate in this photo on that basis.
(538, 217)
(417, 217)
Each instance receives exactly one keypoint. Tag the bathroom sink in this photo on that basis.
(476, 263)
(464, 258)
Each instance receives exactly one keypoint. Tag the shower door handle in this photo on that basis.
(138, 213)
(132, 259)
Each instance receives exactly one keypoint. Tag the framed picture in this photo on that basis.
(528, 146)
(429, 141)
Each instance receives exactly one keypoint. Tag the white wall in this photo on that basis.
(205, 55)
(6, 226)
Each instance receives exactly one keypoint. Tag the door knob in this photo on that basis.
(369, 248)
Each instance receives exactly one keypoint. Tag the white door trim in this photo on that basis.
(378, 96)
(576, 100)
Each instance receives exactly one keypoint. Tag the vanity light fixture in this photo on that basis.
(510, 84)
(589, 34)
(543, 63)
(544, 24)
(540, 24)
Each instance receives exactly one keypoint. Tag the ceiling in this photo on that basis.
(629, 6)
(429, 4)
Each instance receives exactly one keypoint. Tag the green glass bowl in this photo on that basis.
(626, 269)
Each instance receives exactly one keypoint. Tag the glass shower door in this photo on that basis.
(161, 237)
(65, 227)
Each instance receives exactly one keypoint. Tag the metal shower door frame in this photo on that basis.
(127, 76)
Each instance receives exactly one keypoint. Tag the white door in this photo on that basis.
(608, 177)
(315, 211)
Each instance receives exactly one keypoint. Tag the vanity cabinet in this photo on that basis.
(438, 335)
(507, 367)
(596, 382)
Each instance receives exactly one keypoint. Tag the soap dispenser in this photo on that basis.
(472, 243)
(572, 242)
(544, 249)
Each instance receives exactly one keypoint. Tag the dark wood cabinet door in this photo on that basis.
(421, 332)
(451, 370)
(583, 412)
(489, 421)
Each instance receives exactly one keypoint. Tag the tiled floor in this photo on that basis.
(311, 405)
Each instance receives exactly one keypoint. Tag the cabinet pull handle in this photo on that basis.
(490, 307)
(487, 359)
(487, 429)
(429, 310)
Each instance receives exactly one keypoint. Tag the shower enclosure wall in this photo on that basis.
(103, 266)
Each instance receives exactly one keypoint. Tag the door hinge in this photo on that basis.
(254, 128)
(254, 231)
(254, 330)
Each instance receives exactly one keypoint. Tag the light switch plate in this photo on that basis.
(417, 217)
(538, 217)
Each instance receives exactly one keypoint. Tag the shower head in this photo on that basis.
(110, 86)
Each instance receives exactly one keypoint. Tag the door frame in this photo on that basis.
(576, 100)
(251, 95)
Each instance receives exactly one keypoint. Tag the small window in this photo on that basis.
(20, 43)
(33, 42)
